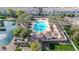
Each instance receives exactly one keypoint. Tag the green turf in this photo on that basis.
(61, 47)
(76, 43)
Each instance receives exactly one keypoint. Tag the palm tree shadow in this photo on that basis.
(53, 46)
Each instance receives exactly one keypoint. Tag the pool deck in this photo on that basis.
(52, 33)
(46, 22)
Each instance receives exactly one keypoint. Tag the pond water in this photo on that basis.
(9, 27)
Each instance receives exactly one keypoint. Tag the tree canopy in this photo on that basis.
(24, 19)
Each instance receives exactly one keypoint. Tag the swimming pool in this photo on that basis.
(9, 27)
(40, 26)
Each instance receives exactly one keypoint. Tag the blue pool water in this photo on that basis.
(40, 26)
(9, 27)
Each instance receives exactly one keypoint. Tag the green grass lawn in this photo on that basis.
(76, 43)
(61, 47)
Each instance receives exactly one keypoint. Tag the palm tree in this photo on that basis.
(24, 19)
(51, 18)
(35, 45)
(19, 12)
(10, 12)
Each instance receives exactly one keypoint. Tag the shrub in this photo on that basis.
(18, 49)
(71, 15)
(2, 17)
(17, 31)
(25, 33)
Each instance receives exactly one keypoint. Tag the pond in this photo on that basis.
(6, 36)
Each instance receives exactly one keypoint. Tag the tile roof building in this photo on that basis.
(44, 10)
